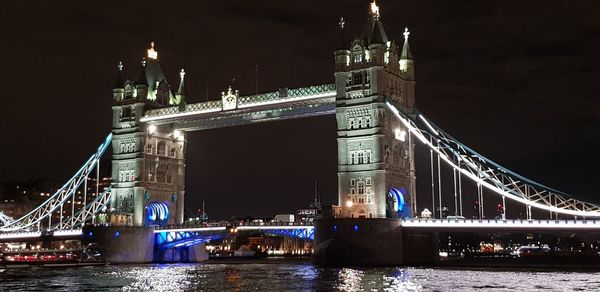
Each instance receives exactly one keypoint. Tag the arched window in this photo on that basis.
(350, 123)
(352, 156)
(161, 148)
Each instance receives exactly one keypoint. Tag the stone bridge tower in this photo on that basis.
(376, 177)
(148, 166)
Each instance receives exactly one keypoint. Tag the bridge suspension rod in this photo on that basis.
(471, 165)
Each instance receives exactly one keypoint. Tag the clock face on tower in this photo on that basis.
(229, 99)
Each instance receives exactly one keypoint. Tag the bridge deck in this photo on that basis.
(278, 105)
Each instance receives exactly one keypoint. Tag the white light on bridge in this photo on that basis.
(400, 135)
(151, 129)
(178, 135)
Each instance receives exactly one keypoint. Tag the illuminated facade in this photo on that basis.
(148, 166)
(375, 152)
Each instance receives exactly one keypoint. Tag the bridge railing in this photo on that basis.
(233, 224)
(499, 223)
(281, 96)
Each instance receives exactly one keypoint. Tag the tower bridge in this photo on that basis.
(378, 126)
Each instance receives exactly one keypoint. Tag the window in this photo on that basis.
(169, 178)
(368, 121)
(348, 80)
(352, 191)
(352, 182)
(161, 148)
(361, 200)
(357, 57)
(350, 123)
(161, 173)
(172, 152)
(357, 78)
(361, 189)
(368, 181)
(125, 112)
(149, 148)
(360, 122)
(361, 158)
(126, 175)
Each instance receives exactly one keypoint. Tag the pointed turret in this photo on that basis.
(342, 42)
(141, 78)
(180, 95)
(375, 32)
(406, 55)
(119, 88)
(155, 79)
(120, 83)
(406, 60)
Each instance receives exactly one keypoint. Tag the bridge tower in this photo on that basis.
(376, 173)
(148, 166)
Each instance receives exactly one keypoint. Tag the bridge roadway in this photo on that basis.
(441, 225)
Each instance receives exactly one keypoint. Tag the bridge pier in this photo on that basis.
(122, 244)
(372, 242)
(132, 244)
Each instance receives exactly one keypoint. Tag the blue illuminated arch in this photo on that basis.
(398, 198)
(157, 212)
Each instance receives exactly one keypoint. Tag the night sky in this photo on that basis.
(516, 80)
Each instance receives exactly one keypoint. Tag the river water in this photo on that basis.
(287, 275)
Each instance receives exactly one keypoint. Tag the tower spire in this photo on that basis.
(405, 49)
(406, 60)
(342, 43)
(152, 54)
(375, 32)
(120, 83)
(374, 10)
(141, 79)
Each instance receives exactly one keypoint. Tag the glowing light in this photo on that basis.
(151, 129)
(400, 135)
(403, 64)
(355, 227)
(152, 54)
(374, 9)
(429, 125)
(178, 135)
(349, 204)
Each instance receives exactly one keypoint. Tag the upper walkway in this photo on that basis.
(283, 104)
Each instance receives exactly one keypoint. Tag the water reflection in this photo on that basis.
(284, 275)
(158, 278)
(349, 280)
